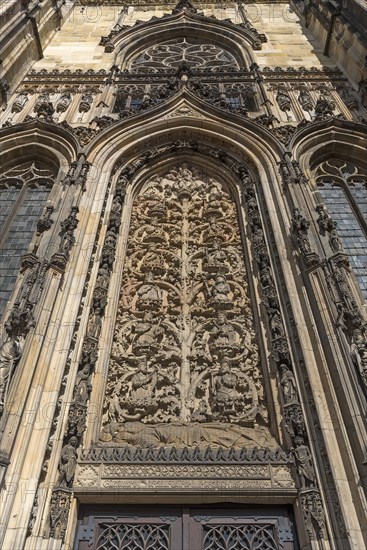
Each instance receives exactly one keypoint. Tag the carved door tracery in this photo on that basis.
(186, 528)
(184, 349)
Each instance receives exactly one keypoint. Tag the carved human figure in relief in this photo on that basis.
(157, 208)
(143, 383)
(224, 390)
(154, 232)
(220, 291)
(213, 207)
(216, 257)
(185, 183)
(149, 295)
(146, 333)
(214, 232)
(223, 334)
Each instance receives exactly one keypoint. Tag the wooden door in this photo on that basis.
(185, 528)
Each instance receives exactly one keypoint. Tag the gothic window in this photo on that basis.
(342, 186)
(171, 54)
(23, 192)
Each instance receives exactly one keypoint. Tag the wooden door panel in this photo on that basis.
(185, 528)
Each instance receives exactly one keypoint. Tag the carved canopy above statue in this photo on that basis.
(184, 367)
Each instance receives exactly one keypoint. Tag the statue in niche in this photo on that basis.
(258, 238)
(276, 323)
(334, 241)
(303, 459)
(149, 295)
(146, 335)
(83, 385)
(95, 324)
(103, 276)
(266, 277)
(116, 207)
(216, 257)
(110, 239)
(10, 352)
(68, 462)
(219, 292)
(359, 352)
(67, 242)
(288, 384)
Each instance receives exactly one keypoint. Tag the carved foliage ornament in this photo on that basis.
(184, 350)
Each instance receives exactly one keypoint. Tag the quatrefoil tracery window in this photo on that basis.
(23, 191)
(171, 54)
(343, 187)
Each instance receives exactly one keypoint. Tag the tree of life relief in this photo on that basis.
(184, 367)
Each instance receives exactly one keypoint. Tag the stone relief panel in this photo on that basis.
(185, 367)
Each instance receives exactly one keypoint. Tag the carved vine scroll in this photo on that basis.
(184, 366)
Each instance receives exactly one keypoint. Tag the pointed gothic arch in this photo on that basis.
(133, 41)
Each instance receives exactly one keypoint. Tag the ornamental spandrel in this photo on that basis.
(185, 366)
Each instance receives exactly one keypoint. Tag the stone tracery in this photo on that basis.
(173, 53)
(184, 347)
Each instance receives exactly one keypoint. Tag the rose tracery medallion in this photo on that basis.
(185, 367)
